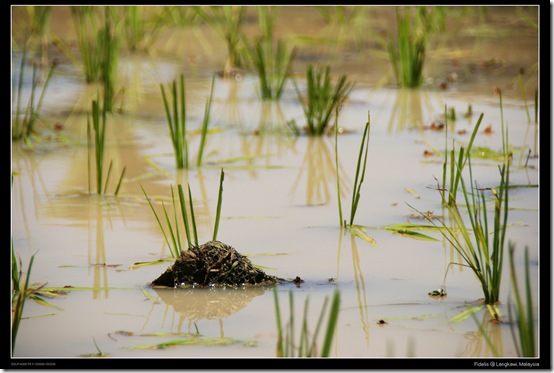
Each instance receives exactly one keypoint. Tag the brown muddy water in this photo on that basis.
(279, 195)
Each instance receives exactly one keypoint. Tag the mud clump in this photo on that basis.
(213, 264)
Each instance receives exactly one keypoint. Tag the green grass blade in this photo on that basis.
(219, 201)
(184, 214)
(193, 219)
(205, 123)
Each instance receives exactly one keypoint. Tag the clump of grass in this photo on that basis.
(306, 345)
(22, 290)
(96, 128)
(271, 59)
(322, 99)
(481, 245)
(176, 119)
(407, 51)
(20, 293)
(99, 47)
(273, 66)
(340, 15)
(521, 312)
(26, 117)
(227, 21)
(139, 33)
(39, 18)
(173, 233)
(176, 115)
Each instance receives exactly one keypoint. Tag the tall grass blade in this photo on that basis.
(204, 131)
(521, 313)
(219, 201)
(120, 181)
(331, 324)
(193, 219)
(359, 178)
(184, 214)
(307, 341)
(176, 119)
(173, 245)
(23, 126)
(323, 99)
(21, 295)
(342, 222)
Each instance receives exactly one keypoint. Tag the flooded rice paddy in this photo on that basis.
(279, 199)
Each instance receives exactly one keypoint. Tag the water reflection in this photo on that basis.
(98, 262)
(266, 139)
(359, 280)
(487, 341)
(408, 109)
(318, 172)
(192, 305)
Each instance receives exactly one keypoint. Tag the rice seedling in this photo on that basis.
(20, 293)
(179, 16)
(96, 129)
(272, 61)
(177, 121)
(521, 312)
(99, 46)
(323, 99)
(176, 115)
(205, 122)
(536, 122)
(359, 177)
(339, 14)
(266, 20)
(86, 29)
(139, 33)
(455, 168)
(26, 117)
(173, 234)
(479, 252)
(22, 290)
(306, 345)
(407, 51)
(109, 43)
(39, 18)
(227, 22)
(273, 65)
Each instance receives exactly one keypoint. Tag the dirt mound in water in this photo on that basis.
(213, 264)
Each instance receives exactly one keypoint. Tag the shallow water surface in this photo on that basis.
(279, 202)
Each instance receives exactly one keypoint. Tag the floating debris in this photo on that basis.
(439, 293)
(213, 264)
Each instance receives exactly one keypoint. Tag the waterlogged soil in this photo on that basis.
(279, 200)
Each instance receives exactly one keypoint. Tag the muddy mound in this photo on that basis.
(213, 264)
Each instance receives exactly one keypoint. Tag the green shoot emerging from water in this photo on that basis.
(176, 119)
(273, 65)
(173, 233)
(306, 346)
(23, 125)
(521, 313)
(323, 99)
(408, 49)
(484, 252)
(19, 294)
(98, 129)
(360, 173)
